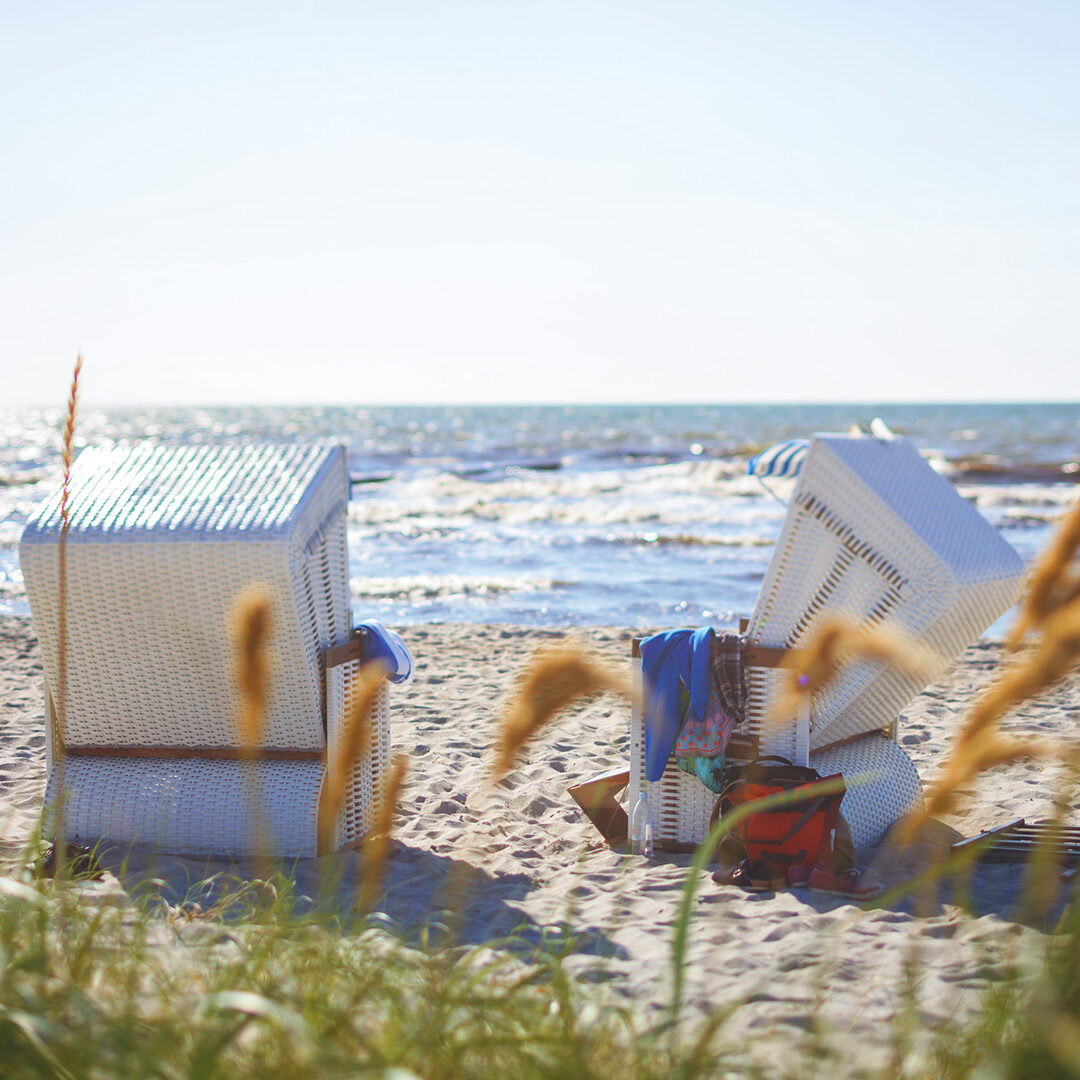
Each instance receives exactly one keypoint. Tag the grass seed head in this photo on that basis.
(555, 678)
(837, 643)
(68, 448)
(1052, 584)
(251, 626)
(967, 761)
(351, 747)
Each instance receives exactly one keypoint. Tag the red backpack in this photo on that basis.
(770, 841)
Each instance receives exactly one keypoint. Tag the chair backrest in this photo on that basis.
(872, 533)
(161, 542)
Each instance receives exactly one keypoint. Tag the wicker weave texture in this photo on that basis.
(875, 535)
(882, 784)
(365, 788)
(149, 653)
(191, 806)
(169, 493)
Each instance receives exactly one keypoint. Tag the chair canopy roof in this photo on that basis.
(175, 493)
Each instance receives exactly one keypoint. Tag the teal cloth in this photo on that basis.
(709, 770)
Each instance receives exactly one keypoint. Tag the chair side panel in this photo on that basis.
(150, 657)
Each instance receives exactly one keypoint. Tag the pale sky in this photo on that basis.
(533, 202)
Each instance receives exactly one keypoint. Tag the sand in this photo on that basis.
(541, 872)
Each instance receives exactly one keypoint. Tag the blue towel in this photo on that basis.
(386, 645)
(667, 659)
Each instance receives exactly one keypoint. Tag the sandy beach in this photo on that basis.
(798, 960)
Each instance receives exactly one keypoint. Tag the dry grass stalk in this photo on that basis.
(1052, 585)
(60, 717)
(251, 625)
(837, 643)
(68, 458)
(555, 679)
(351, 748)
(1052, 609)
(980, 745)
(377, 844)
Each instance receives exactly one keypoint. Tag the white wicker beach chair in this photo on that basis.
(161, 542)
(872, 533)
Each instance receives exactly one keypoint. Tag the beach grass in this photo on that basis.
(96, 983)
(247, 977)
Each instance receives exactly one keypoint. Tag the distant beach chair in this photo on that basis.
(872, 534)
(146, 749)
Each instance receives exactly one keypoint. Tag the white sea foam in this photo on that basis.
(420, 587)
(1055, 497)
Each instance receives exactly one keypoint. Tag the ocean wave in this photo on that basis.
(419, 587)
(1056, 498)
(686, 493)
(1028, 518)
(25, 479)
(11, 583)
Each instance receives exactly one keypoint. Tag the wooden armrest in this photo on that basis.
(351, 651)
(760, 656)
(596, 796)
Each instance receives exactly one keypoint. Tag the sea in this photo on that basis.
(640, 516)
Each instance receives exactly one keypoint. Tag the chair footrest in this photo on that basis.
(596, 796)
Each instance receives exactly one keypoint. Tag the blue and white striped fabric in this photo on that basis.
(782, 461)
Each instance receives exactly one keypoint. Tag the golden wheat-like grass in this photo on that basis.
(352, 747)
(251, 624)
(837, 643)
(555, 678)
(68, 458)
(377, 843)
(59, 721)
(1052, 584)
(1051, 612)
(68, 449)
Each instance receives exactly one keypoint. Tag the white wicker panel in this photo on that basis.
(165, 493)
(883, 784)
(366, 785)
(930, 506)
(191, 806)
(150, 656)
(775, 734)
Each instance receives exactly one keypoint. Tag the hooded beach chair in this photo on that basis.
(874, 535)
(145, 747)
